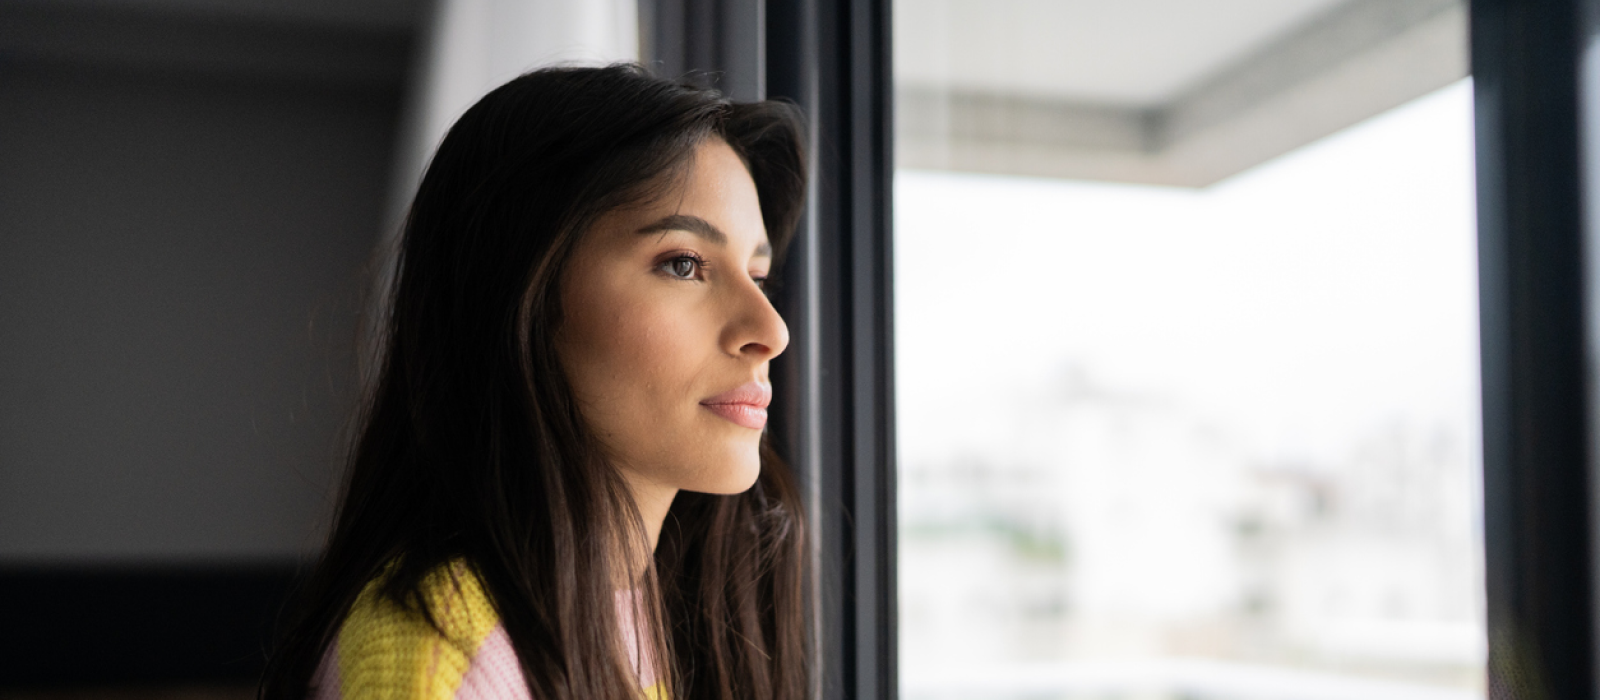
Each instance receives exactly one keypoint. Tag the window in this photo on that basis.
(1187, 368)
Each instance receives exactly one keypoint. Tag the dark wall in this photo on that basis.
(189, 204)
(181, 270)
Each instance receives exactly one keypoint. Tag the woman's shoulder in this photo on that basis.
(391, 651)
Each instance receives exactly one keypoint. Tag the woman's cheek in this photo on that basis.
(658, 355)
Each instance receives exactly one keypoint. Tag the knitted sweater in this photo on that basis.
(386, 652)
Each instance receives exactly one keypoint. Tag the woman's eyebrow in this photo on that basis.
(699, 227)
(692, 224)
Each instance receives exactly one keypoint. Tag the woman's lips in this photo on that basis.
(753, 417)
(745, 405)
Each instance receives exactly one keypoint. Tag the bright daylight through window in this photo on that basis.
(1179, 418)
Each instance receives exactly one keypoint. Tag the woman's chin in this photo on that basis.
(734, 476)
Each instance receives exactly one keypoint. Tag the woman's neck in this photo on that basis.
(653, 501)
(653, 504)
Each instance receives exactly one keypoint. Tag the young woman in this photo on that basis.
(559, 488)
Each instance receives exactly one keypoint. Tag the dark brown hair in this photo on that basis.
(470, 446)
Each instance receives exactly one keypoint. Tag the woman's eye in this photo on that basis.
(761, 283)
(682, 267)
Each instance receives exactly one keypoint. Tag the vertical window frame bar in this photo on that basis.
(834, 413)
(832, 58)
(1536, 225)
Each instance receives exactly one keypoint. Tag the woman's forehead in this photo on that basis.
(714, 199)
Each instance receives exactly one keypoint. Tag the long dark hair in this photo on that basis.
(470, 446)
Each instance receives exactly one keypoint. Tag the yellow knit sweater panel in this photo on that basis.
(387, 652)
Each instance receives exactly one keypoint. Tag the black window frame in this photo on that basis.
(1536, 111)
(834, 386)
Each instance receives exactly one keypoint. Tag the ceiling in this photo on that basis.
(402, 15)
(1171, 92)
(1136, 53)
(349, 43)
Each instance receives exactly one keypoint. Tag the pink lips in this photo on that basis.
(745, 405)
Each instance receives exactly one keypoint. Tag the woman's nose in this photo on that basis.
(756, 330)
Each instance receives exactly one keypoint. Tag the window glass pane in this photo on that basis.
(1186, 320)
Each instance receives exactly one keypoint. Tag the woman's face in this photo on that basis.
(667, 335)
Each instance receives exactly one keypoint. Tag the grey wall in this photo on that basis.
(182, 261)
